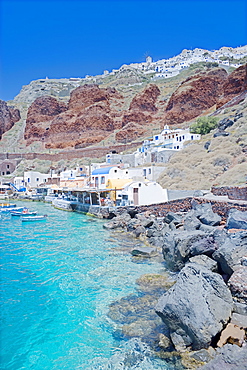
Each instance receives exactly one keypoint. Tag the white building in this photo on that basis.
(141, 193)
(168, 139)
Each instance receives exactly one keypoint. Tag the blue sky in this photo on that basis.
(73, 38)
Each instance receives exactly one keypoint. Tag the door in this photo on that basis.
(135, 196)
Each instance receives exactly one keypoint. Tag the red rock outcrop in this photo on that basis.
(145, 101)
(235, 84)
(88, 119)
(8, 117)
(87, 95)
(130, 133)
(141, 112)
(44, 109)
(195, 95)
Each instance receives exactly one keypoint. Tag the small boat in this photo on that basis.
(9, 209)
(34, 218)
(23, 213)
(7, 205)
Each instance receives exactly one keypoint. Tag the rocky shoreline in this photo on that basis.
(202, 299)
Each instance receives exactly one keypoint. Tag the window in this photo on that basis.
(28, 179)
(3, 173)
(149, 171)
(191, 137)
(156, 137)
(115, 171)
(144, 172)
(140, 185)
(102, 180)
(7, 166)
(8, 173)
(37, 179)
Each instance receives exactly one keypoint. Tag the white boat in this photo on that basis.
(33, 218)
(23, 213)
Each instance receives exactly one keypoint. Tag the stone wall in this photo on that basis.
(233, 192)
(184, 205)
(93, 152)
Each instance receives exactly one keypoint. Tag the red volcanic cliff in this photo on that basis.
(146, 100)
(141, 112)
(234, 85)
(88, 119)
(8, 117)
(93, 114)
(44, 109)
(195, 95)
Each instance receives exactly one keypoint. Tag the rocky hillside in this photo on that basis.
(219, 158)
(93, 114)
(8, 117)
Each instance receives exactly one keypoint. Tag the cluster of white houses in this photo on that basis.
(123, 180)
(166, 68)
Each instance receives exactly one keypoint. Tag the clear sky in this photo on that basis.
(73, 38)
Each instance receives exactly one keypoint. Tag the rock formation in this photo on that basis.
(8, 117)
(235, 84)
(146, 100)
(88, 118)
(195, 95)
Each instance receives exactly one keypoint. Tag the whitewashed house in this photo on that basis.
(169, 139)
(141, 193)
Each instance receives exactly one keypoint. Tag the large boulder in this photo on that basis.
(231, 252)
(236, 219)
(229, 357)
(196, 307)
(238, 283)
(178, 247)
(205, 214)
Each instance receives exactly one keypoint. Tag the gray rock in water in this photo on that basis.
(144, 252)
(197, 306)
(229, 357)
(236, 220)
(139, 230)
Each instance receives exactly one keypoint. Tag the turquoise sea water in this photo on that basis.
(58, 278)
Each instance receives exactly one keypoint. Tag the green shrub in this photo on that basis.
(204, 125)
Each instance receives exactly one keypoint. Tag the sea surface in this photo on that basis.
(58, 278)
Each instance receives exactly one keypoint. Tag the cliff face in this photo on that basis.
(90, 116)
(87, 119)
(203, 91)
(235, 84)
(195, 95)
(8, 117)
(91, 113)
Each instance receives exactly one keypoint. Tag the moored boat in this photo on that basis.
(34, 218)
(23, 213)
